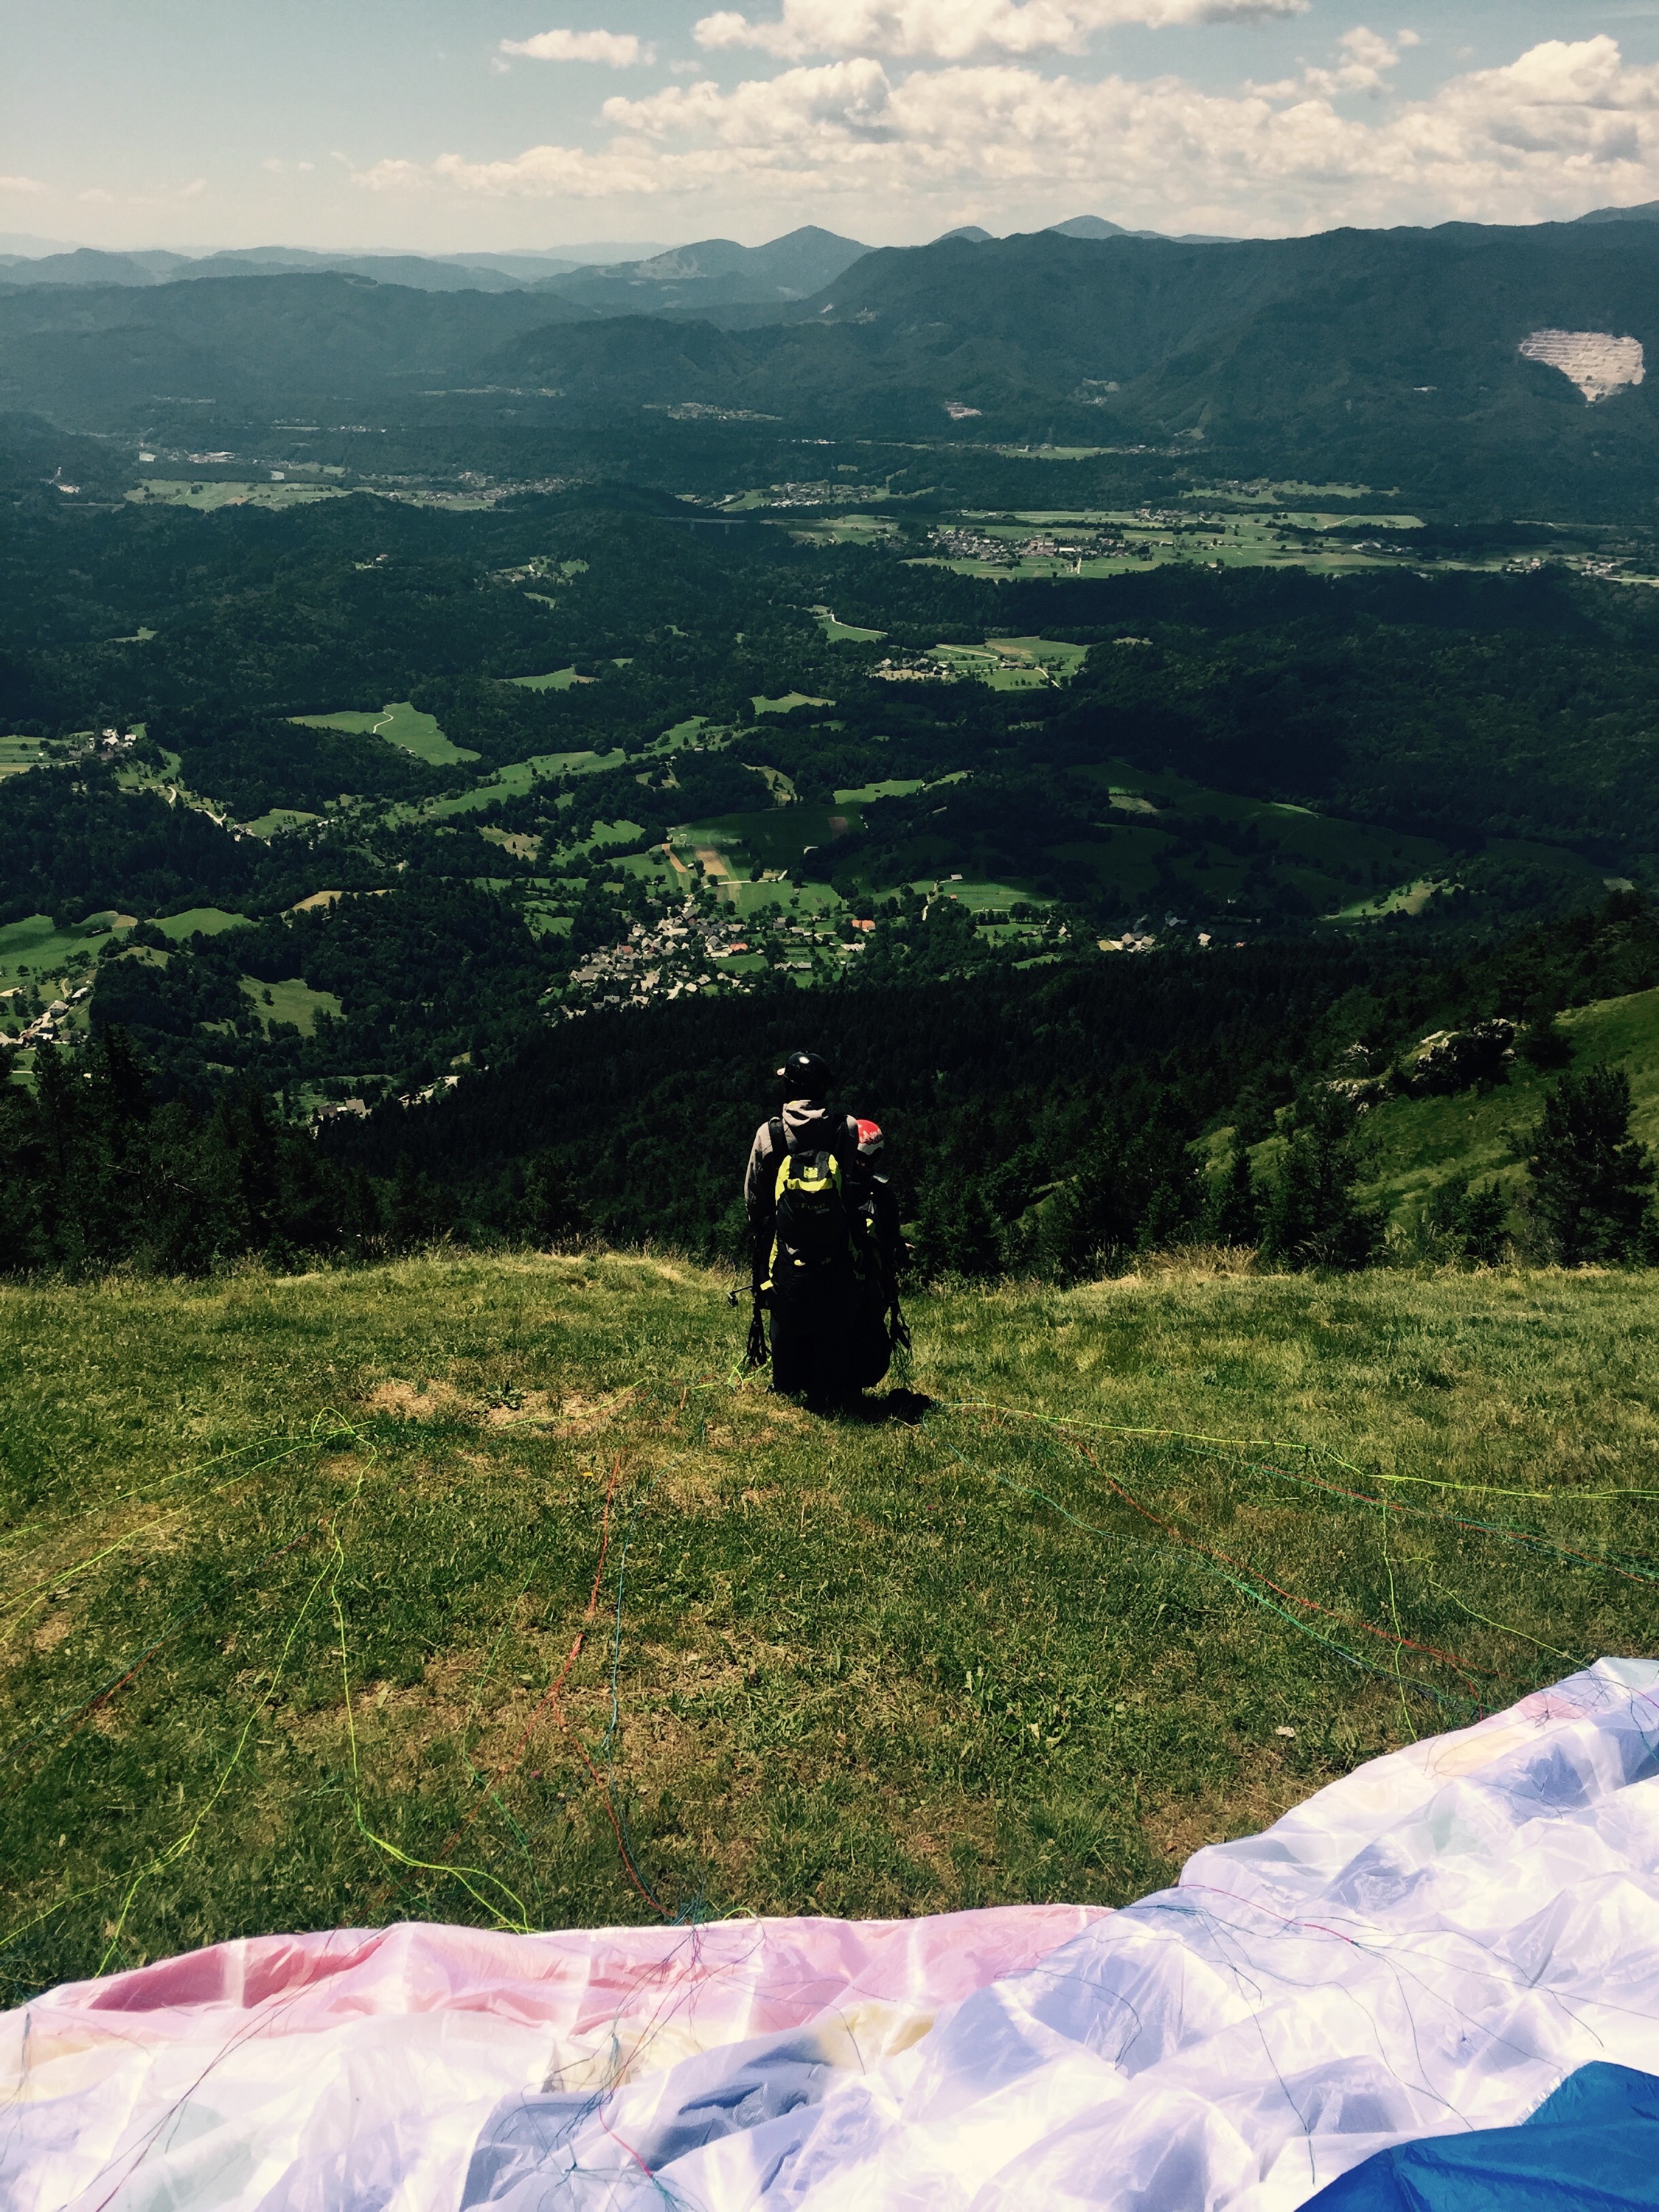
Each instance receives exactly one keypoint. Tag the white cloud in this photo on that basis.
(1565, 126)
(1366, 61)
(614, 49)
(20, 184)
(955, 30)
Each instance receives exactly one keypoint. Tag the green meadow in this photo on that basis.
(1408, 1147)
(492, 1590)
(399, 724)
(37, 948)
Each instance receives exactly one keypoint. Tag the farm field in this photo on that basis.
(846, 633)
(17, 754)
(37, 946)
(480, 1589)
(290, 1001)
(207, 921)
(561, 679)
(1238, 533)
(399, 724)
(205, 495)
(512, 781)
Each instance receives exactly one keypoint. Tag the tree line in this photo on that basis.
(1047, 1121)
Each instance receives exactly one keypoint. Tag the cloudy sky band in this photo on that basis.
(1565, 125)
(446, 124)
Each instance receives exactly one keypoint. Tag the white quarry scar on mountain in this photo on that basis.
(1597, 362)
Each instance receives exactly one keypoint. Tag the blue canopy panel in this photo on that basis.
(1593, 2146)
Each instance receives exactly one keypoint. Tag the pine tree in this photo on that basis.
(1233, 1215)
(1591, 1179)
(552, 1213)
(408, 1214)
(1461, 1222)
(1312, 1218)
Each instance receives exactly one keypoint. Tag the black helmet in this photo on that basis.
(806, 1075)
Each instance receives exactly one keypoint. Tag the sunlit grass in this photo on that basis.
(295, 1569)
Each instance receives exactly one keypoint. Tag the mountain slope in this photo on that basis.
(96, 355)
(715, 273)
(1387, 357)
(1391, 358)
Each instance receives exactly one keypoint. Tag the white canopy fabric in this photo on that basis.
(1428, 1947)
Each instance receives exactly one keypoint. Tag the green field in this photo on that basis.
(510, 782)
(399, 724)
(896, 787)
(37, 945)
(207, 921)
(1409, 1145)
(293, 1566)
(17, 754)
(786, 702)
(290, 1001)
(846, 633)
(775, 837)
(1014, 664)
(279, 819)
(204, 494)
(561, 679)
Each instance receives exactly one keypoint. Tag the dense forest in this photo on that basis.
(1048, 1121)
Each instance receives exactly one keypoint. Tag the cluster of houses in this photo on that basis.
(665, 959)
(51, 1027)
(824, 494)
(913, 668)
(686, 954)
(957, 544)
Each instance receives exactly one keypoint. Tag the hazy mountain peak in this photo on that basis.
(1088, 225)
(1647, 211)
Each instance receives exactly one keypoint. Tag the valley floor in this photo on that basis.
(489, 1589)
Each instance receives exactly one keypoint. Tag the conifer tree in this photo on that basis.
(1591, 1180)
(1233, 1215)
(1313, 1219)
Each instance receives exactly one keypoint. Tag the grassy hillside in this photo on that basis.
(1413, 1145)
(489, 1590)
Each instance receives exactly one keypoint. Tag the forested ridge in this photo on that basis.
(1050, 1121)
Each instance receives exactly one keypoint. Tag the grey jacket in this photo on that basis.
(810, 1127)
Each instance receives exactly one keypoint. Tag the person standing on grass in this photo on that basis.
(804, 1192)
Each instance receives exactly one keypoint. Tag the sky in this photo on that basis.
(451, 126)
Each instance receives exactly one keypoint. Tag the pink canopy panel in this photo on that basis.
(1427, 1948)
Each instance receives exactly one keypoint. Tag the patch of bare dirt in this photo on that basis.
(410, 1404)
(584, 1414)
(523, 1408)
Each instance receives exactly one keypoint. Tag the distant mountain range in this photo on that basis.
(1385, 357)
(712, 274)
(478, 272)
(715, 273)
(1388, 357)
